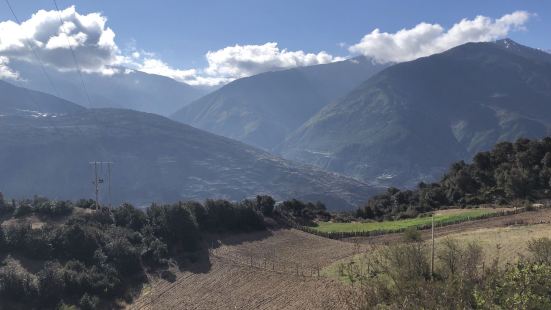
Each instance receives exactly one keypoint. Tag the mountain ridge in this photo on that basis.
(155, 159)
(409, 121)
(262, 110)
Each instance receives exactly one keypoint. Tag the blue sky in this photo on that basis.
(180, 33)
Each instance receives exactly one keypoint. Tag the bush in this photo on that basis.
(412, 235)
(265, 204)
(22, 210)
(128, 216)
(51, 282)
(174, 225)
(16, 283)
(54, 208)
(540, 249)
(88, 302)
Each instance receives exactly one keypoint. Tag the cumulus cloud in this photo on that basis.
(427, 39)
(245, 60)
(93, 42)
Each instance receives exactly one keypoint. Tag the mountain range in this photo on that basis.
(125, 88)
(46, 144)
(410, 121)
(264, 109)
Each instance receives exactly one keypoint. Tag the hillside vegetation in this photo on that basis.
(509, 172)
(94, 258)
(422, 221)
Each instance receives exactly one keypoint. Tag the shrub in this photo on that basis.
(88, 302)
(540, 249)
(265, 204)
(128, 216)
(16, 283)
(22, 210)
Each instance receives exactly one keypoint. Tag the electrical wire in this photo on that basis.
(73, 54)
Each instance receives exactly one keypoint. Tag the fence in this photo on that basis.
(371, 233)
(270, 264)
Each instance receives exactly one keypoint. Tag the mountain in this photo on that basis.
(128, 89)
(410, 121)
(23, 102)
(263, 109)
(155, 159)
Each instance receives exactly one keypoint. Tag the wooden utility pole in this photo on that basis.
(98, 180)
(432, 254)
(109, 183)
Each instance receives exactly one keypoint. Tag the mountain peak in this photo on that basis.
(508, 43)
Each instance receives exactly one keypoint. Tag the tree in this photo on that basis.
(128, 216)
(265, 204)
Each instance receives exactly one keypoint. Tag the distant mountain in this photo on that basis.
(47, 152)
(128, 89)
(410, 121)
(263, 109)
(24, 102)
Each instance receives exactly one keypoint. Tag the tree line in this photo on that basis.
(509, 172)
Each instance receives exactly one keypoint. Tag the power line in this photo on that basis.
(33, 50)
(73, 55)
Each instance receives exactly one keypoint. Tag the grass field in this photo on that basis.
(507, 244)
(440, 218)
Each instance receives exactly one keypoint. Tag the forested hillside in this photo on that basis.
(509, 172)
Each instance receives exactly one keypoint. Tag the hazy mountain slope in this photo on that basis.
(263, 109)
(155, 159)
(128, 89)
(409, 122)
(20, 101)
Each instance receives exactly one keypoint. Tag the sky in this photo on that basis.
(214, 42)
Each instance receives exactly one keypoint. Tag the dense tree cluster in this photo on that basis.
(98, 255)
(511, 171)
(303, 213)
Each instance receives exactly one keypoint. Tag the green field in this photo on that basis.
(447, 217)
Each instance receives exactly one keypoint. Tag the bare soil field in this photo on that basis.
(244, 273)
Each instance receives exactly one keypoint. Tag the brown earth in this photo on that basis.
(265, 270)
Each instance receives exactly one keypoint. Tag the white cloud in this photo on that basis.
(92, 41)
(427, 39)
(157, 66)
(245, 60)
(5, 71)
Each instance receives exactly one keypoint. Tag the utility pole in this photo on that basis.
(98, 180)
(96, 184)
(109, 183)
(432, 256)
